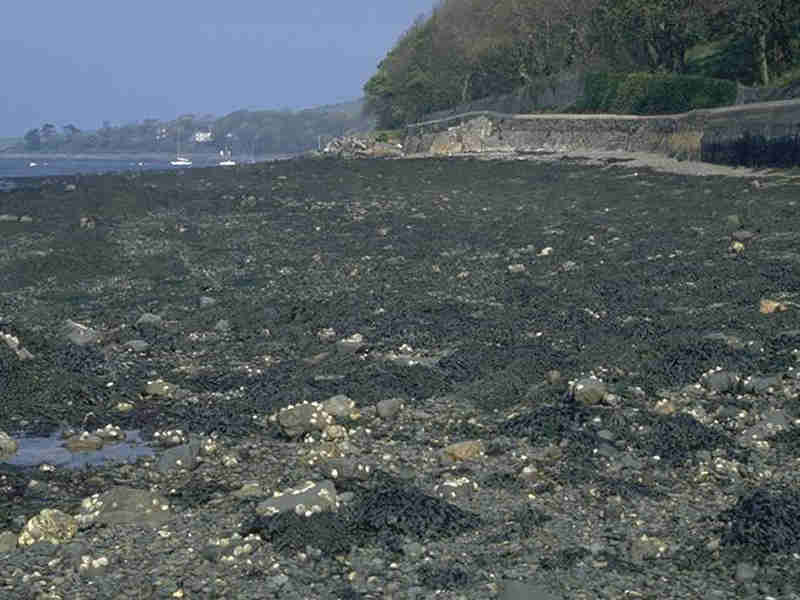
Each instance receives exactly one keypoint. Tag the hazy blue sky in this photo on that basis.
(86, 61)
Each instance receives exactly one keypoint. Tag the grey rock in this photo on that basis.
(84, 442)
(81, 335)
(137, 345)
(122, 505)
(306, 499)
(742, 235)
(759, 385)
(589, 391)
(346, 468)
(8, 542)
(184, 456)
(520, 590)
(50, 525)
(339, 405)
(150, 319)
(745, 572)
(8, 446)
(389, 407)
(721, 381)
(303, 418)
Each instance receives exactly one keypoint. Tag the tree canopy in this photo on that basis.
(469, 49)
(245, 132)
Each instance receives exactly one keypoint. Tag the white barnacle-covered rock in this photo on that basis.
(456, 489)
(50, 525)
(309, 498)
(8, 446)
(121, 505)
(110, 433)
(303, 418)
(589, 391)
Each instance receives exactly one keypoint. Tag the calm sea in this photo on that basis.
(46, 166)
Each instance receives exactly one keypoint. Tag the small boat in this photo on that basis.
(33, 164)
(180, 161)
(226, 161)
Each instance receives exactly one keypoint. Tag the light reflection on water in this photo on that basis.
(34, 451)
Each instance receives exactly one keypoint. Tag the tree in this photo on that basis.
(654, 34)
(70, 131)
(33, 140)
(47, 132)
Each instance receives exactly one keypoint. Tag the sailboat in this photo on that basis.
(226, 161)
(180, 161)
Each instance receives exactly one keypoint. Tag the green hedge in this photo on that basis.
(651, 94)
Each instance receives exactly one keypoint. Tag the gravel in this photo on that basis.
(437, 378)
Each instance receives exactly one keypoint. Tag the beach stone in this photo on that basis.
(161, 388)
(759, 385)
(8, 542)
(720, 381)
(122, 505)
(743, 235)
(50, 525)
(80, 335)
(465, 450)
(184, 456)
(306, 499)
(351, 344)
(303, 418)
(149, 319)
(389, 407)
(520, 590)
(589, 391)
(734, 221)
(456, 489)
(8, 446)
(251, 489)
(339, 405)
(137, 345)
(84, 442)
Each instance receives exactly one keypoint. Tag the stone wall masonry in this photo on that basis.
(682, 135)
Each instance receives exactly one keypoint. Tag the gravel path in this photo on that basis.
(394, 379)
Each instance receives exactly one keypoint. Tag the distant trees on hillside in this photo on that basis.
(470, 49)
(243, 132)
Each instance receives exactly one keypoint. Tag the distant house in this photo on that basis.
(202, 137)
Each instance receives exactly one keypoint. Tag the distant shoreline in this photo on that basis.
(99, 156)
(137, 156)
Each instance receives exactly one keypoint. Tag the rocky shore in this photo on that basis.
(549, 377)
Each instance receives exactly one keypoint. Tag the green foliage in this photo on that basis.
(653, 93)
(600, 91)
(389, 135)
(243, 132)
(472, 49)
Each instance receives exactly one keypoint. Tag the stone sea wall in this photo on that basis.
(689, 135)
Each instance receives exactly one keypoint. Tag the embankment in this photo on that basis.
(760, 134)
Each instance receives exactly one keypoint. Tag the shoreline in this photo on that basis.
(619, 158)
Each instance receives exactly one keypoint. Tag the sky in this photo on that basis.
(82, 62)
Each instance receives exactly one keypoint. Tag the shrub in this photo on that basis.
(653, 93)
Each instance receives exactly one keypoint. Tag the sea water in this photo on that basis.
(34, 451)
(48, 166)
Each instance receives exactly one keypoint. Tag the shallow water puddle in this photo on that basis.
(35, 451)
